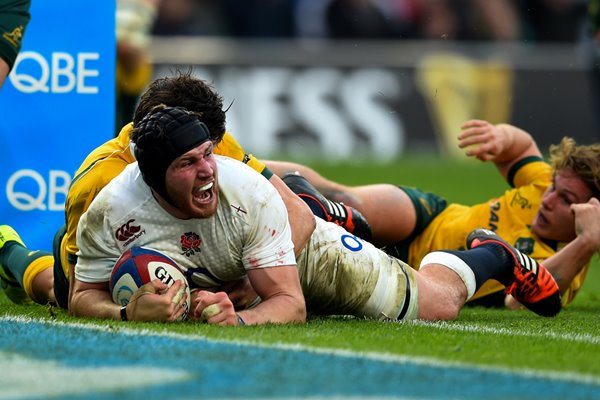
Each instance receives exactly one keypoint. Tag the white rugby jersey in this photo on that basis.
(249, 230)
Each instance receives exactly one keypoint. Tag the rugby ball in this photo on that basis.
(138, 266)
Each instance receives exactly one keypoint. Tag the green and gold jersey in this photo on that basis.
(14, 18)
(509, 215)
(106, 162)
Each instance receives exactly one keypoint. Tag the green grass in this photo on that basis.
(568, 343)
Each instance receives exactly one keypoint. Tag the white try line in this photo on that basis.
(476, 328)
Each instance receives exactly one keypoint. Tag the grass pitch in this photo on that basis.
(568, 344)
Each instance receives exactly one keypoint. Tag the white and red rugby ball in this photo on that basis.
(138, 266)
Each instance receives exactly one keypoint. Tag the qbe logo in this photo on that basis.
(27, 190)
(62, 73)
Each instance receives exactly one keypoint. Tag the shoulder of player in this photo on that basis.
(118, 204)
(88, 182)
(531, 170)
(242, 184)
(102, 165)
(122, 191)
(235, 172)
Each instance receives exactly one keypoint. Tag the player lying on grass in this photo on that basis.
(106, 162)
(46, 284)
(552, 213)
(180, 188)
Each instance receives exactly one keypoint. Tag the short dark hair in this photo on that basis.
(185, 90)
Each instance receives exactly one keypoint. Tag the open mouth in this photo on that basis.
(204, 192)
(541, 218)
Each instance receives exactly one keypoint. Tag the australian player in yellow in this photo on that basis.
(550, 214)
(46, 284)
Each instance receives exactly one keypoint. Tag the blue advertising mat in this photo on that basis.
(42, 360)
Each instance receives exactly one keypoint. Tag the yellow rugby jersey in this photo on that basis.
(509, 215)
(106, 162)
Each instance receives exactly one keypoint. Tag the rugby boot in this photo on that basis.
(12, 288)
(340, 214)
(532, 285)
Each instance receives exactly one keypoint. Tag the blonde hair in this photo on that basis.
(584, 160)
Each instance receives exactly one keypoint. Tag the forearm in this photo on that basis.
(569, 261)
(503, 144)
(283, 308)
(94, 303)
(71, 284)
(518, 144)
(281, 293)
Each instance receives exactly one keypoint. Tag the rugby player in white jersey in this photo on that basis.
(180, 190)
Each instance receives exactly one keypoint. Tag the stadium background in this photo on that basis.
(384, 78)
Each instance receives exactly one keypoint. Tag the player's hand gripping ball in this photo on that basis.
(210, 312)
(138, 266)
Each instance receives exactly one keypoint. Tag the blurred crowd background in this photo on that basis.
(468, 20)
(416, 82)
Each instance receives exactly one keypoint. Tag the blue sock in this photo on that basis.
(488, 261)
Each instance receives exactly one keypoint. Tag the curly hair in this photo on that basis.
(185, 90)
(584, 160)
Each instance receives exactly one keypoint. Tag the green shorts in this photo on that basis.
(14, 17)
(427, 206)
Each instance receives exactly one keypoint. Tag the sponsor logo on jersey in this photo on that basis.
(519, 200)
(15, 36)
(494, 218)
(128, 232)
(525, 245)
(190, 243)
(351, 242)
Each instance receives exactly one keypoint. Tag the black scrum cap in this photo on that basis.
(163, 136)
